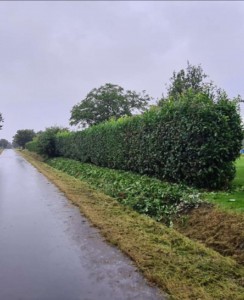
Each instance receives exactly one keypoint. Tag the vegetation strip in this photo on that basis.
(147, 195)
(181, 267)
(220, 230)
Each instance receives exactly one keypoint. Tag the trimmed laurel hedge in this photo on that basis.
(33, 145)
(194, 141)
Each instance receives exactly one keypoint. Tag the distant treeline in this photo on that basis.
(5, 144)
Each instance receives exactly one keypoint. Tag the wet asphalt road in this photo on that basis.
(48, 251)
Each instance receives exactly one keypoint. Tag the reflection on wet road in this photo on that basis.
(48, 251)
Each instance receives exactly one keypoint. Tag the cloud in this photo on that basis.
(53, 53)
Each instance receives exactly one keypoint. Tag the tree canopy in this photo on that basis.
(106, 102)
(192, 78)
(1, 120)
(23, 136)
(45, 140)
(5, 144)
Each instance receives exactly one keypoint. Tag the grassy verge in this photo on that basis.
(179, 266)
(232, 200)
(221, 230)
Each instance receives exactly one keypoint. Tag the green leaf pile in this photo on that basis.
(146, 195)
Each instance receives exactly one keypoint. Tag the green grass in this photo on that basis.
(239, 180)
(233, 199)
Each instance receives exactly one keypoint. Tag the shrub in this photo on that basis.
(33, 145)
(45, 142)
(193, 140)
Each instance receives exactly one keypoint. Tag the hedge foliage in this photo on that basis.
(45, 142)
(33, 145)
(193, 141)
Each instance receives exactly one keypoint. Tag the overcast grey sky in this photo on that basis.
(53, 53)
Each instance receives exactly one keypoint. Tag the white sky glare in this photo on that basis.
(52, 53)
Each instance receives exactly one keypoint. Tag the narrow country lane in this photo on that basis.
(48, 251)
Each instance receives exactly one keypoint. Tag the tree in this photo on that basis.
(106, 102)
(23, 136)
(194, 79)
(5, 144)
(46, 141)
(192, 82)
(1, 120)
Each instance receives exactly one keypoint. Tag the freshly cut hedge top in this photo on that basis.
(194, 141)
